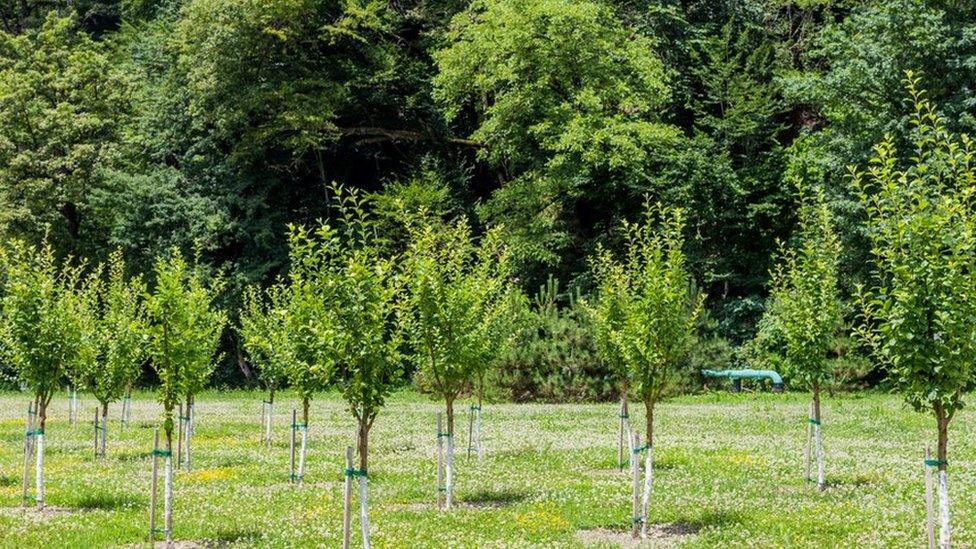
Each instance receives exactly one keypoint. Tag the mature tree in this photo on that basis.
(116, 334)
(456, 284)
(43, 329)
(921, 309)
(562, 95)
(184, 331)
(653, 330)
(805, 303)
(62, 100)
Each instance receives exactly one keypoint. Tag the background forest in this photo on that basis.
(215, 124)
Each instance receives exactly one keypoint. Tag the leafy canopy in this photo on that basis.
(184, 329)
(804, 307)
(116, 330)
(646, 325)
(458, 295)
(920, 312)
(44, 317)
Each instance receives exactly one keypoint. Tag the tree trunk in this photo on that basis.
(362, 442)
(623, 438)
(942, 420)
(450, 452)
(477, 423)
(821, 481)
(104, 426)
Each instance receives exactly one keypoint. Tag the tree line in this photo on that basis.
(144, 125)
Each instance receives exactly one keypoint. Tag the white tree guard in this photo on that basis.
(168, 497)
(39, 472)
(477, 432)
(648, 484)
(820, 456)
(450, 471)
(943, 510)
(301, 456)
(363, 512)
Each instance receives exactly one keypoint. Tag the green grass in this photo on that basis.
(727, 469)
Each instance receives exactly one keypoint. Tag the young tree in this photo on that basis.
(503, 318)
(608, 316)
(262, 330)
(656, 306)
(42, 331)
(184, 331)
(804, 302)
(309, 324)
(455, 284)
(116, 335)
(920, 314)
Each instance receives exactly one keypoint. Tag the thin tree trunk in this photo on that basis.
(821, 481)
(942, 421)
(450, 453)
(362, 442)
(104, 426)
(477, 426)
(624, 436)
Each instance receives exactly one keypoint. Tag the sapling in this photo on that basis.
(262, 330)
(920, 313)
(607, 315)
(184, 331)
(803, 300)
(116, 335)
(43, 324)
(455, 285)
(309, 324)
(652, 328)
(503, 318)
(364, 337)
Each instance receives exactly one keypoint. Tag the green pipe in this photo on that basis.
(748, 374)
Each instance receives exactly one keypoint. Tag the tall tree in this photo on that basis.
(657, 307)
(43, 330)
(562, 96)
(455, 284)
(116, 334)
(62, 102)
(920, 311)
(184, 332)
(805, 302)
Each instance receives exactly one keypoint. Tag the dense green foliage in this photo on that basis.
(921, 308)
(44, 320)
(649, 306)
(115, 331)
(184, 332)
(144, 126)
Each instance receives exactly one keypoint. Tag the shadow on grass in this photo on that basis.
(854, 481)
(233, 535)
(489, 498)
(109, 502)
(9, 480)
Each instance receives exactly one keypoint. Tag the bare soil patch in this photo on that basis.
(658, 535)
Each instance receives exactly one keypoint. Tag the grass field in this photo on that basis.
(728, 473)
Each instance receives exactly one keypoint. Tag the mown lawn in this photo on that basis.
(728, 473)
